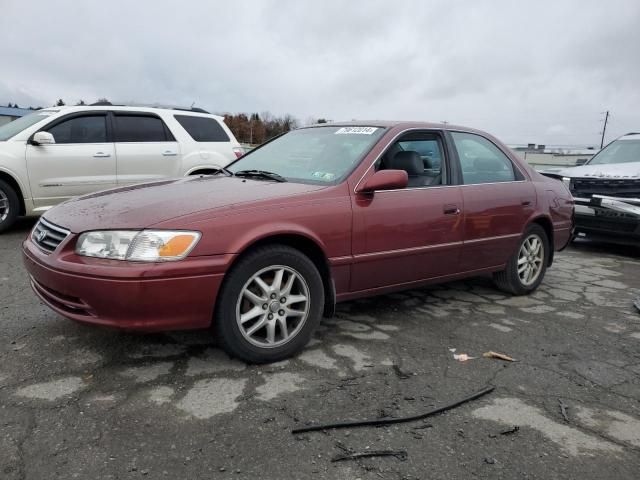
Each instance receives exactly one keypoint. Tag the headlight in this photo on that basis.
(137, 245)
(567, 182)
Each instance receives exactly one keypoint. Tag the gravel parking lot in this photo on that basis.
(79, 402)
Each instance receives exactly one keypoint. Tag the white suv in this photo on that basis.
(53, 154)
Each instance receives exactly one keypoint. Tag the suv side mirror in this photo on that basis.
(581, 161)
(43, 138)
(385, 180)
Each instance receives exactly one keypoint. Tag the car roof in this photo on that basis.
(400, 124)
(131, 108)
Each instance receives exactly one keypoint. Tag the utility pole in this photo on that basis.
(604, 129)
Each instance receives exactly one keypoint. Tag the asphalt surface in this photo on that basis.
(80, 402)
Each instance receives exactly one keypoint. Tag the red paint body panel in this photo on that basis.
(129, 296)
(372, 242)
(494, 220)
(404, 235)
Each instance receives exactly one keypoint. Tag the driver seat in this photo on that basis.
(410, 162)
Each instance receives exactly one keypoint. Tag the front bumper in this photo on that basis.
(126, 295)
(608, 218)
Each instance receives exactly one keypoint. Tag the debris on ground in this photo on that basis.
(636, 303)
(418, 431)
(563, 410)
(390, 421)
(349, 454)
(462, 357)
(499, 356)
(489, 460)
(402, 375)
(510, 431)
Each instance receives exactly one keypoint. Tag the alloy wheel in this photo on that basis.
(273, 306)
(4, 206)
(530, 258)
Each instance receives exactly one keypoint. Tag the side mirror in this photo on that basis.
(581, 161)
(385, 180)
(43, 138)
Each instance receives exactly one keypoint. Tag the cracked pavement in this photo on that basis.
(82, 402)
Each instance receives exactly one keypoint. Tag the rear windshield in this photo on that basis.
(202, 129)
(323, 155)
(11, 129)
(620, 151)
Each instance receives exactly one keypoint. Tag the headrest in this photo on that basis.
(409, 161)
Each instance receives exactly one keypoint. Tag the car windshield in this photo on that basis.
(11, 129)
(620, 151)
(322, 155)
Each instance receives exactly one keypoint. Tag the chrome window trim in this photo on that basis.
(355, 189)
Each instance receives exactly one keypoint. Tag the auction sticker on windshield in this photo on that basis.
(356, 130)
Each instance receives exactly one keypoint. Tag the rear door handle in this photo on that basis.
(451, 210)
(169, 153)
(101, 154)
(526, 203)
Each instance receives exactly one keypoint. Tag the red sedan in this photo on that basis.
(262, 249)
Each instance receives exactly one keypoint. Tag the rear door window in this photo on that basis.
(84, 129)
(141, 128)
(481, 161)
(202, 129)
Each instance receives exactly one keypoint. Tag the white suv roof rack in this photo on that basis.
(150, 105)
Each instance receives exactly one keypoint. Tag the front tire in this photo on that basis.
(9, 206)
(527, 266)
(269, 305)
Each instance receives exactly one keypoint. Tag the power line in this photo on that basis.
(606, 119)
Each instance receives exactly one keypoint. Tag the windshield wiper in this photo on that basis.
(223, 170)
(260, 173)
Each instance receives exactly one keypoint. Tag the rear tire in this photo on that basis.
(269, 305)
(9, 206)
(527, 266)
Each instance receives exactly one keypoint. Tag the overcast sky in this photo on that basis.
(534, 71)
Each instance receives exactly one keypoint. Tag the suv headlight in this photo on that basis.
(137, 245)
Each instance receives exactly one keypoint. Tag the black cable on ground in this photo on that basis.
(391, 421)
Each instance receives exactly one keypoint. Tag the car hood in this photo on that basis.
(613, 170)
(147, 204)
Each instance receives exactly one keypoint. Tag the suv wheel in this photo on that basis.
(9, 206)
(526, 268)
(269, 305)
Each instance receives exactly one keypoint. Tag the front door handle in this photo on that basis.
(169, 153)
(526, 203)
(101, 154)
(451, 210)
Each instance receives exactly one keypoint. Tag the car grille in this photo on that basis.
(587, 187)
(47, 235)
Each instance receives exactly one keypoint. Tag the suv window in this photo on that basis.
(202, 129)
(481, 161)
(85, 129)
(141, 128)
